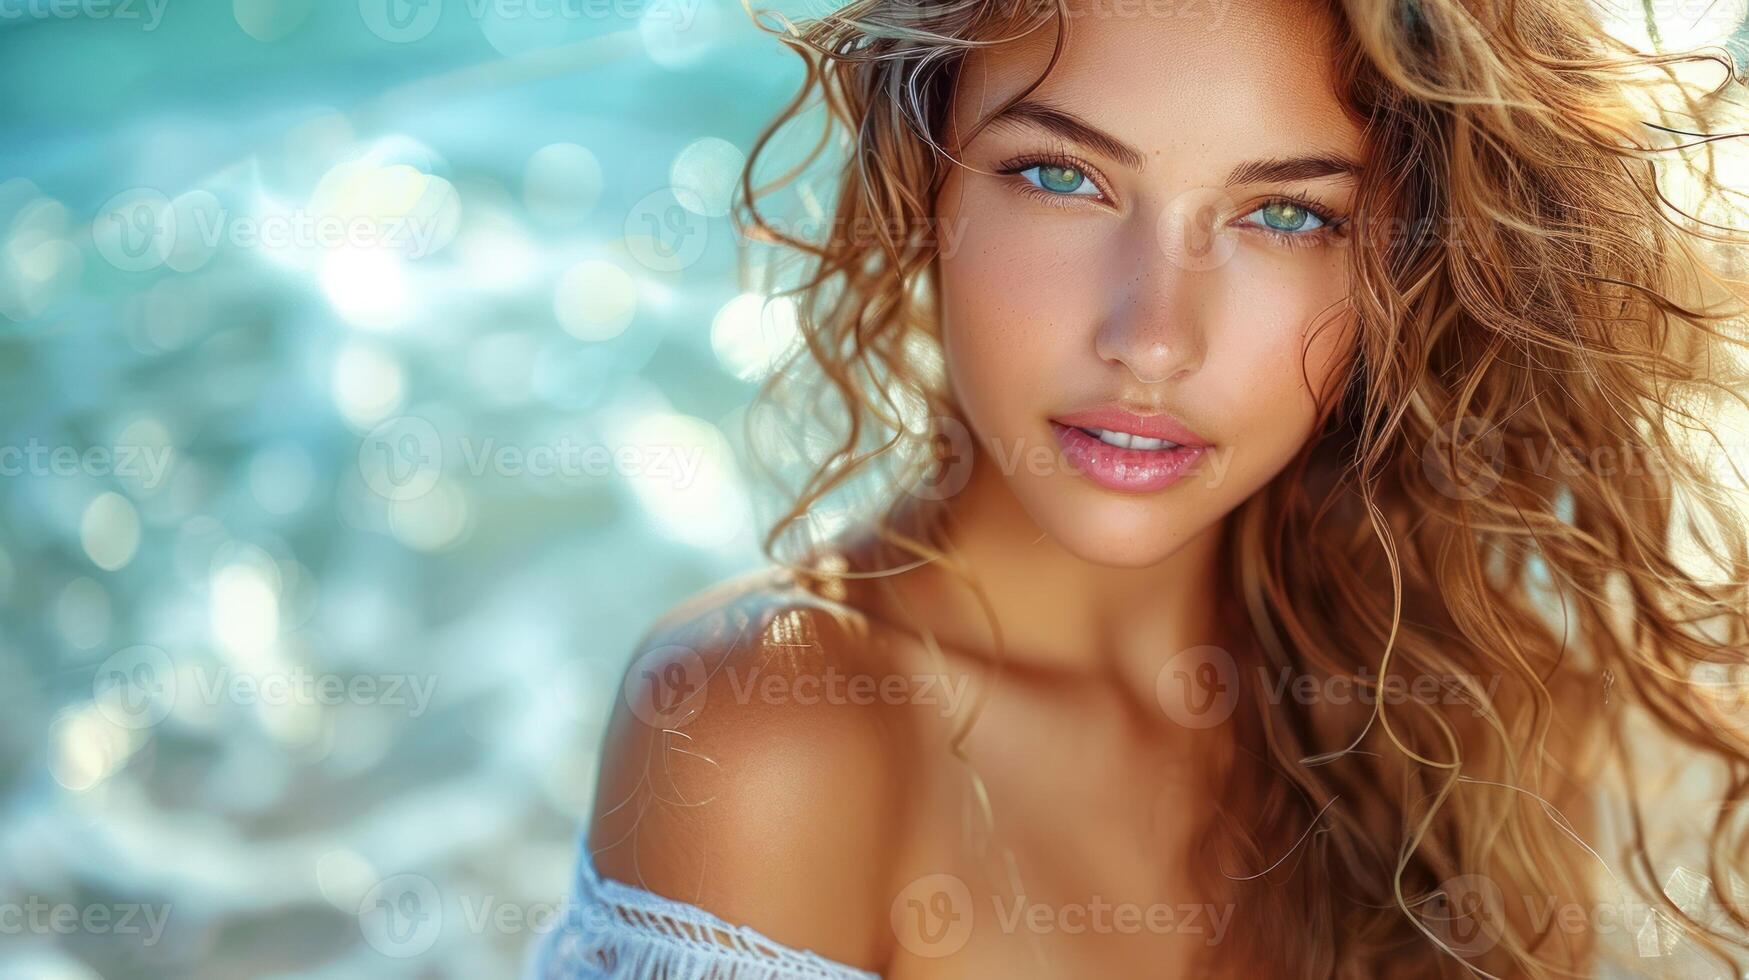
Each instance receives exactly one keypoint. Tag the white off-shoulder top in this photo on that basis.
(612, 929)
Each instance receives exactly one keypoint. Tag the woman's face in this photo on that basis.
(1157, 230)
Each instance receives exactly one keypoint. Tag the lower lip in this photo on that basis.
(1125, 470)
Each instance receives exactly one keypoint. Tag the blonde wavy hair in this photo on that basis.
(1521, 479)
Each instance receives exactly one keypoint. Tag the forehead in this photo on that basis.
(1241, 77)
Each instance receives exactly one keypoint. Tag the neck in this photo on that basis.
(1058, 612)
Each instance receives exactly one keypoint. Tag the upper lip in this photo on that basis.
(1114, 419)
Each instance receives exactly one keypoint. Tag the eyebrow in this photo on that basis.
(1072, 127)
(1275, 170)
(1284, 169)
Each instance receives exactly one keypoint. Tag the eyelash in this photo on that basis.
(1332, 224)
(1016, 166)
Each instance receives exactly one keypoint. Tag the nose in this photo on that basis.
(1155, 326)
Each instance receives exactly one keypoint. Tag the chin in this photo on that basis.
(1120, 531)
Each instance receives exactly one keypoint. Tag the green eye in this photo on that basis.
(1061, 179)
(1067, 181)
(1286, 216)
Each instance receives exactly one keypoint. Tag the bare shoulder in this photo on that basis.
(737, 776)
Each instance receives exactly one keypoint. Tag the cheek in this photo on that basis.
(1277, 344)
(1016, 313)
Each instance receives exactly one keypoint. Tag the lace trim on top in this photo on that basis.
(611, 930)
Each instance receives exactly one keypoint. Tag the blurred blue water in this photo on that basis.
(319, 338)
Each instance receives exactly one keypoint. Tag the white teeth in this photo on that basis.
(1125, 440)
(1119, 439)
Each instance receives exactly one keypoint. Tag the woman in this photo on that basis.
(1318, 538)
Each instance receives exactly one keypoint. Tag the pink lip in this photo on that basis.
(1128, 470)
(1117, 420)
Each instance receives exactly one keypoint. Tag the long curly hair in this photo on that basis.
(1521, 491)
